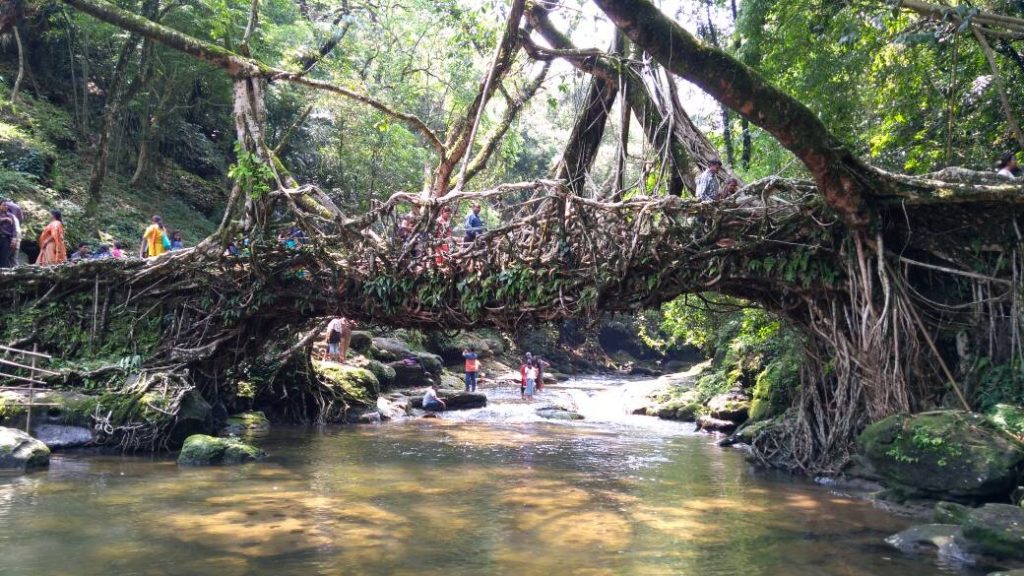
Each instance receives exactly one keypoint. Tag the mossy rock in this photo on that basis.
(203, 450)
(195, 416)
(731, 406)
(385, 374)
(681, 410)
(20, 452)
(1008, 418)
(748, 433)
(948, 454)
(996, 529)
(246, 422)
(950, 513)
(357, 385)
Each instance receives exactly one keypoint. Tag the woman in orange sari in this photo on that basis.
(51, 242)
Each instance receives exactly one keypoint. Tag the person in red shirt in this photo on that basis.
(472, 368)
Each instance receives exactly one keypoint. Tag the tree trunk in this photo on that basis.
(21, 66)
(116, 96)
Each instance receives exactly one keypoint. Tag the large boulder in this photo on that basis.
(361, 341)
(389, 349)
(949, 454)
(996, 530)
(455, 400)
(732, 406)
(203, 450)
(409, 373)
(385, 374)
(357, 385)
(709, 423)
(486, 343)
(20, 452)
(57, 436)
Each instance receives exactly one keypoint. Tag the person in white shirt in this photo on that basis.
(531, 380)
(431, 402)
(339, 334)
(1008, 166)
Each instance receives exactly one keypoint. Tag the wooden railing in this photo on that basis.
(25, 363)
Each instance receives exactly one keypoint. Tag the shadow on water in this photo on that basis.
(496, 492)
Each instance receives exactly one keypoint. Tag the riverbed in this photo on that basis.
(497, 490)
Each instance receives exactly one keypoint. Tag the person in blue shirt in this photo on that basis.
(474, 224)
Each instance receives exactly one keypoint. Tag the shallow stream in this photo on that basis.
(490, 491)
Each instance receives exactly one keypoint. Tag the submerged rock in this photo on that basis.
(948, 454)
(57, 436)
(246, 422)
(558, 413)
(203, 450)
(945, 538)
(20, 452)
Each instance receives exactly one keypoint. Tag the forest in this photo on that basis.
(865, 276)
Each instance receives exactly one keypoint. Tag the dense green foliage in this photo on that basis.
(907, 93)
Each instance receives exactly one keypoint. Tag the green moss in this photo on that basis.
(951, 452)
(1008, 418)
(203, 450)
(358, 385)
(385, 374)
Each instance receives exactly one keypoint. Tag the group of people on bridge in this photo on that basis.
(53, 245)
(441, 243)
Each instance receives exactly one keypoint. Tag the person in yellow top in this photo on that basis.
(153, 239)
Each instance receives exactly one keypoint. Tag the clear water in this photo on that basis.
(493, 491)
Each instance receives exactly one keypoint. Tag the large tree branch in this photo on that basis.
(840, 175)
(512, 110)
(460, 138)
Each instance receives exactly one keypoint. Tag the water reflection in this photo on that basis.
(443, 497)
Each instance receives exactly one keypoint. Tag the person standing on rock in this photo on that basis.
(472, 368)
(339, 335)
(431, 402)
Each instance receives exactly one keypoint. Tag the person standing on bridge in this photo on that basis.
(52, 249)
(8, 236)
(474, 224)
(154, 239)
(472, 368)
(707, 182)
(444, 236)
(1007, 167)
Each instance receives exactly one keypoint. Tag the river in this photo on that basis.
(490, 491)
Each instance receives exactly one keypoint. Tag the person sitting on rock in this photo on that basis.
(431, 402)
